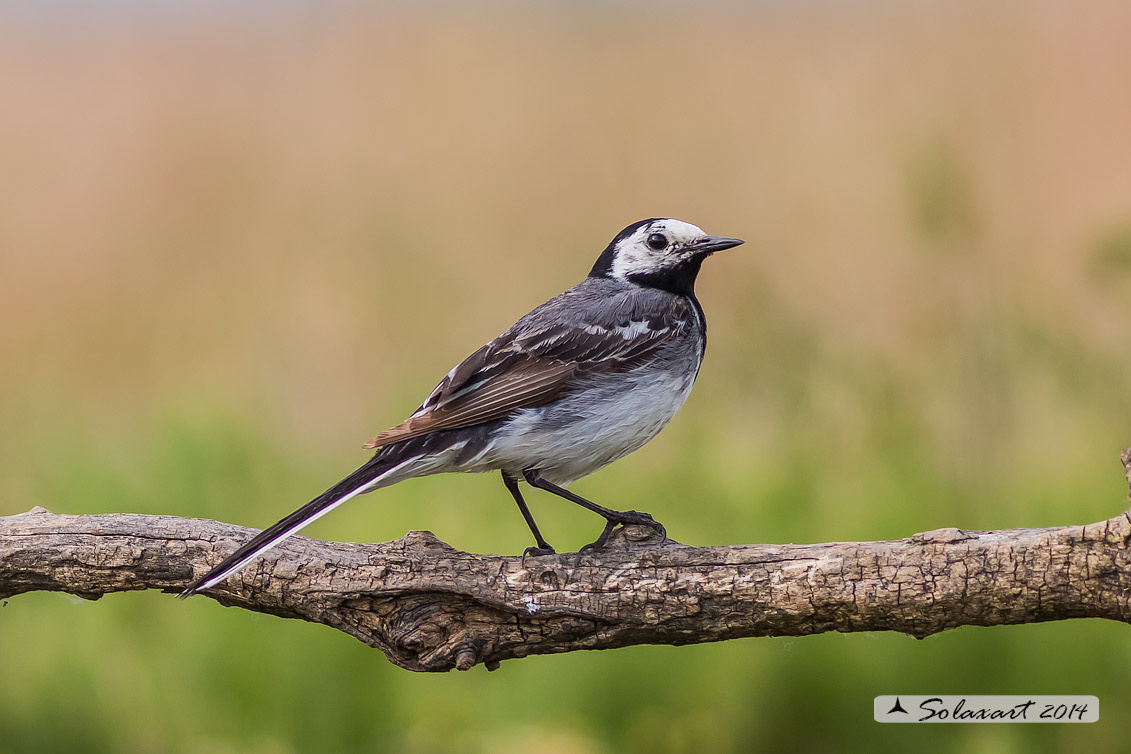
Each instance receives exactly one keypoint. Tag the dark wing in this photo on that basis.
(527, 370)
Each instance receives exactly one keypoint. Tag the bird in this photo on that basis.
(579, 382)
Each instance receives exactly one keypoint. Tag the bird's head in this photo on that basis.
(659, 253)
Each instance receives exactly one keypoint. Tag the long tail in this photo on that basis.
(364, 479)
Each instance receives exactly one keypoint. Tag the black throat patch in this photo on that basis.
(679, 280)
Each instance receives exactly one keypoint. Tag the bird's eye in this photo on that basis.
(657, 242)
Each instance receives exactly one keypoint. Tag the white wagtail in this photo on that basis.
(583, 380)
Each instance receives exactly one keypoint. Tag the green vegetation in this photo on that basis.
(221, 273)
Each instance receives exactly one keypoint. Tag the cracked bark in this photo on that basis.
(430, 607)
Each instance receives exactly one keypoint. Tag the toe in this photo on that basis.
(538, 551)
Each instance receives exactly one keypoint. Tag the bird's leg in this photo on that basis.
(612, 517)
(543, 547)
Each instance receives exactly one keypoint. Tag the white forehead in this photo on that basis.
(677, 231)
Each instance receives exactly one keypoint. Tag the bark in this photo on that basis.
(430, 607)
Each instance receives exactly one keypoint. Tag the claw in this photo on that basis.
(602, 540)
(643, 519)
(539, 551)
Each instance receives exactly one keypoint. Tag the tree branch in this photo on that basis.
(430, 607)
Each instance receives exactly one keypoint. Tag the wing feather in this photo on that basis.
(515, 371)
(531, 383)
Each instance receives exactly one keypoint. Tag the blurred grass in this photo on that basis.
(232, 248)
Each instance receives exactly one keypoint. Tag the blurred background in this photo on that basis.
(238, 240)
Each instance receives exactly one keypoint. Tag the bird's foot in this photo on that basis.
(626, 518)
(543, 549)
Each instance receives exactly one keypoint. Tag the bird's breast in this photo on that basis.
(596, 424)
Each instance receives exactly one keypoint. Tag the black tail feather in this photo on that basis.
(273, 535)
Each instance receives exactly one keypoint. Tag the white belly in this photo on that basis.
(576, 436)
